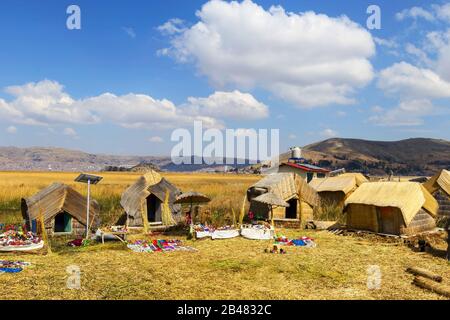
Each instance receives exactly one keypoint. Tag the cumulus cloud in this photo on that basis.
(70, 132)
(308, 59)
(407, 113)
(46, 102)
(155, 139)
(172, 26)
(11, 130)
(329, 133)
(407, 80)
(415, 13)
(228, 105)
(130, 32)
(433, 13)
(442, 11)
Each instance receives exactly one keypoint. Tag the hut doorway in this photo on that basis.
(291, 211)
(153, 208)
(63, 223)
(388, 220)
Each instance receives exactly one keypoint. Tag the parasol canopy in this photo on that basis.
(272, 199)
(192, 197)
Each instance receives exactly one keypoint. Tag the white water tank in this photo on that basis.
(296, 153)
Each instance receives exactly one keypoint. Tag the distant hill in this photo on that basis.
(418, 156)
(407, 157)
(59, 159)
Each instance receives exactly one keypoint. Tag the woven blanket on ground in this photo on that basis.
(18, 238)
(158, 246)
(12, 266)
(301, 242)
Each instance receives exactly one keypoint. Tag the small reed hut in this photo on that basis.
(63, 209)
(439, 187)
(334, 190)
(291, 188)
(395, 208)
(150, 201)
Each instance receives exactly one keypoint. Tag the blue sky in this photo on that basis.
(137, 70)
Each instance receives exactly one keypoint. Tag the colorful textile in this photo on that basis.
(18, 238)
(7, 266)
(158, 246)
(79, 243)
(301, 242)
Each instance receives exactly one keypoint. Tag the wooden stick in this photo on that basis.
(424, 273)
(44, 232)
(432, 286)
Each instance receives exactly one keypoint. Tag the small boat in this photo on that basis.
(27, 247)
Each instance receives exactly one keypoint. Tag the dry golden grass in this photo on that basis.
(227, 269)
(227, 191)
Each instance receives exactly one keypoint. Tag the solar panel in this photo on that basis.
(84, 178)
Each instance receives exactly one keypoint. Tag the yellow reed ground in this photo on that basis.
(222, 269)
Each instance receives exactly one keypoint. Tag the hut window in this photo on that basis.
(63, 223)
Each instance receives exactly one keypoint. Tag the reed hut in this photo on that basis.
(439, 187)
(63, 209)
(151, 200)
(292, 189)
(395, 208)
(334, 190)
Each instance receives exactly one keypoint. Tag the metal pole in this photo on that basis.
(88, 206)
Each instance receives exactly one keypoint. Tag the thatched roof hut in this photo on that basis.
(145, 199)
(439, 187)
(398, 208)
(64, 210)
(334, 190)
(292, 189)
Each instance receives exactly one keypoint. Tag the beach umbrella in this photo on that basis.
(272, 200)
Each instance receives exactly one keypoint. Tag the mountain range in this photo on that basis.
(420, 156)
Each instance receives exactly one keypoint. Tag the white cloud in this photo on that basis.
(308, 59)
(442, 11)
(329, 133)
(11, 130)
(292, 136)
(420, 55)
(415, 13)
(129, 31)
(435, 12)
(406, 80)
(155, 139)
(407, 113)
(46, 103)
(173, 26)
(377, 109)
(388, 43)
(228, 105)
(70, 132)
